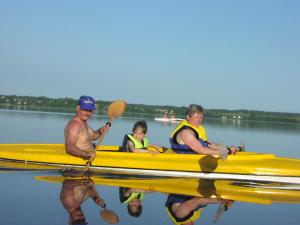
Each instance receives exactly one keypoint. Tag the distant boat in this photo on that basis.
(168, 119)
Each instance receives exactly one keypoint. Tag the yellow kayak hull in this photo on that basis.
(167, 164)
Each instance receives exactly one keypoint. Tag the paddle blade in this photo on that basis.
(221, 209)
(223, 152)
(116, 109)
(109, 216)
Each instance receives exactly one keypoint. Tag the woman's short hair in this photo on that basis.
(193, 108)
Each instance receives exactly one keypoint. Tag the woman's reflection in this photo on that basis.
(185, 209)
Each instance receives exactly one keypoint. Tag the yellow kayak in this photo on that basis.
(233, 190)
(242, 166)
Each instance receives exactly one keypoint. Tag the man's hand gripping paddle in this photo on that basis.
(113, 111)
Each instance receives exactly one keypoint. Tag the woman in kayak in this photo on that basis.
(78, 134)
(189, 137)
(137, 141)
(186, 210)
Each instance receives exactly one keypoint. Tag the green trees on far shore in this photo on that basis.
(139, 110)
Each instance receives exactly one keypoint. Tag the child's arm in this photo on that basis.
(157, 147)
(131, 148)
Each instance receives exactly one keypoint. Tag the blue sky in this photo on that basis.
(220, 54)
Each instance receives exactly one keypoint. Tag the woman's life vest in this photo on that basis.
(191, 217)
(199, 132)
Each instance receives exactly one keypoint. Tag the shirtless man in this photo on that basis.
(78, 134)
(73, 193)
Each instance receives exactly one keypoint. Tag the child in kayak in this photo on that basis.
(137, 141)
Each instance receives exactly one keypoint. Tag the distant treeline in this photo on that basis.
(139, 110)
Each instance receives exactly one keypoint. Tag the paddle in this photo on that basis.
(113, 111)
(222, 208)
(109, 216)
(225, 150)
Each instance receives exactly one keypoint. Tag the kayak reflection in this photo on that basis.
(186, 197)
(75, 190)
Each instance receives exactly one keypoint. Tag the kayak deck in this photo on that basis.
(168, 163)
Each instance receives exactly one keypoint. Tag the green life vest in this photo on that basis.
(137, 144)
(133, 195)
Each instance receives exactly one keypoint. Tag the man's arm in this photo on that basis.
(71, 139)
(95, 196)
(100, 133)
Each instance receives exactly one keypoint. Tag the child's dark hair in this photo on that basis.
(142, 124)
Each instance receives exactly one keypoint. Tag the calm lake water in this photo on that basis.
(25, 199)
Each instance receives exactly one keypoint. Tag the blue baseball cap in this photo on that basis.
(79, 223)
(86, 103)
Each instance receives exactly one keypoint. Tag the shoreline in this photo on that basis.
(68, 105)
(142, 116)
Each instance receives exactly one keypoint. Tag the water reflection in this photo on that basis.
(132, 197)
(180, 200)
(254, 125)
(185, 200)
(186, 210)
(76, 189)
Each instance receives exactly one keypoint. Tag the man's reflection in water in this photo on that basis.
(185, 210)
(74, 192)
